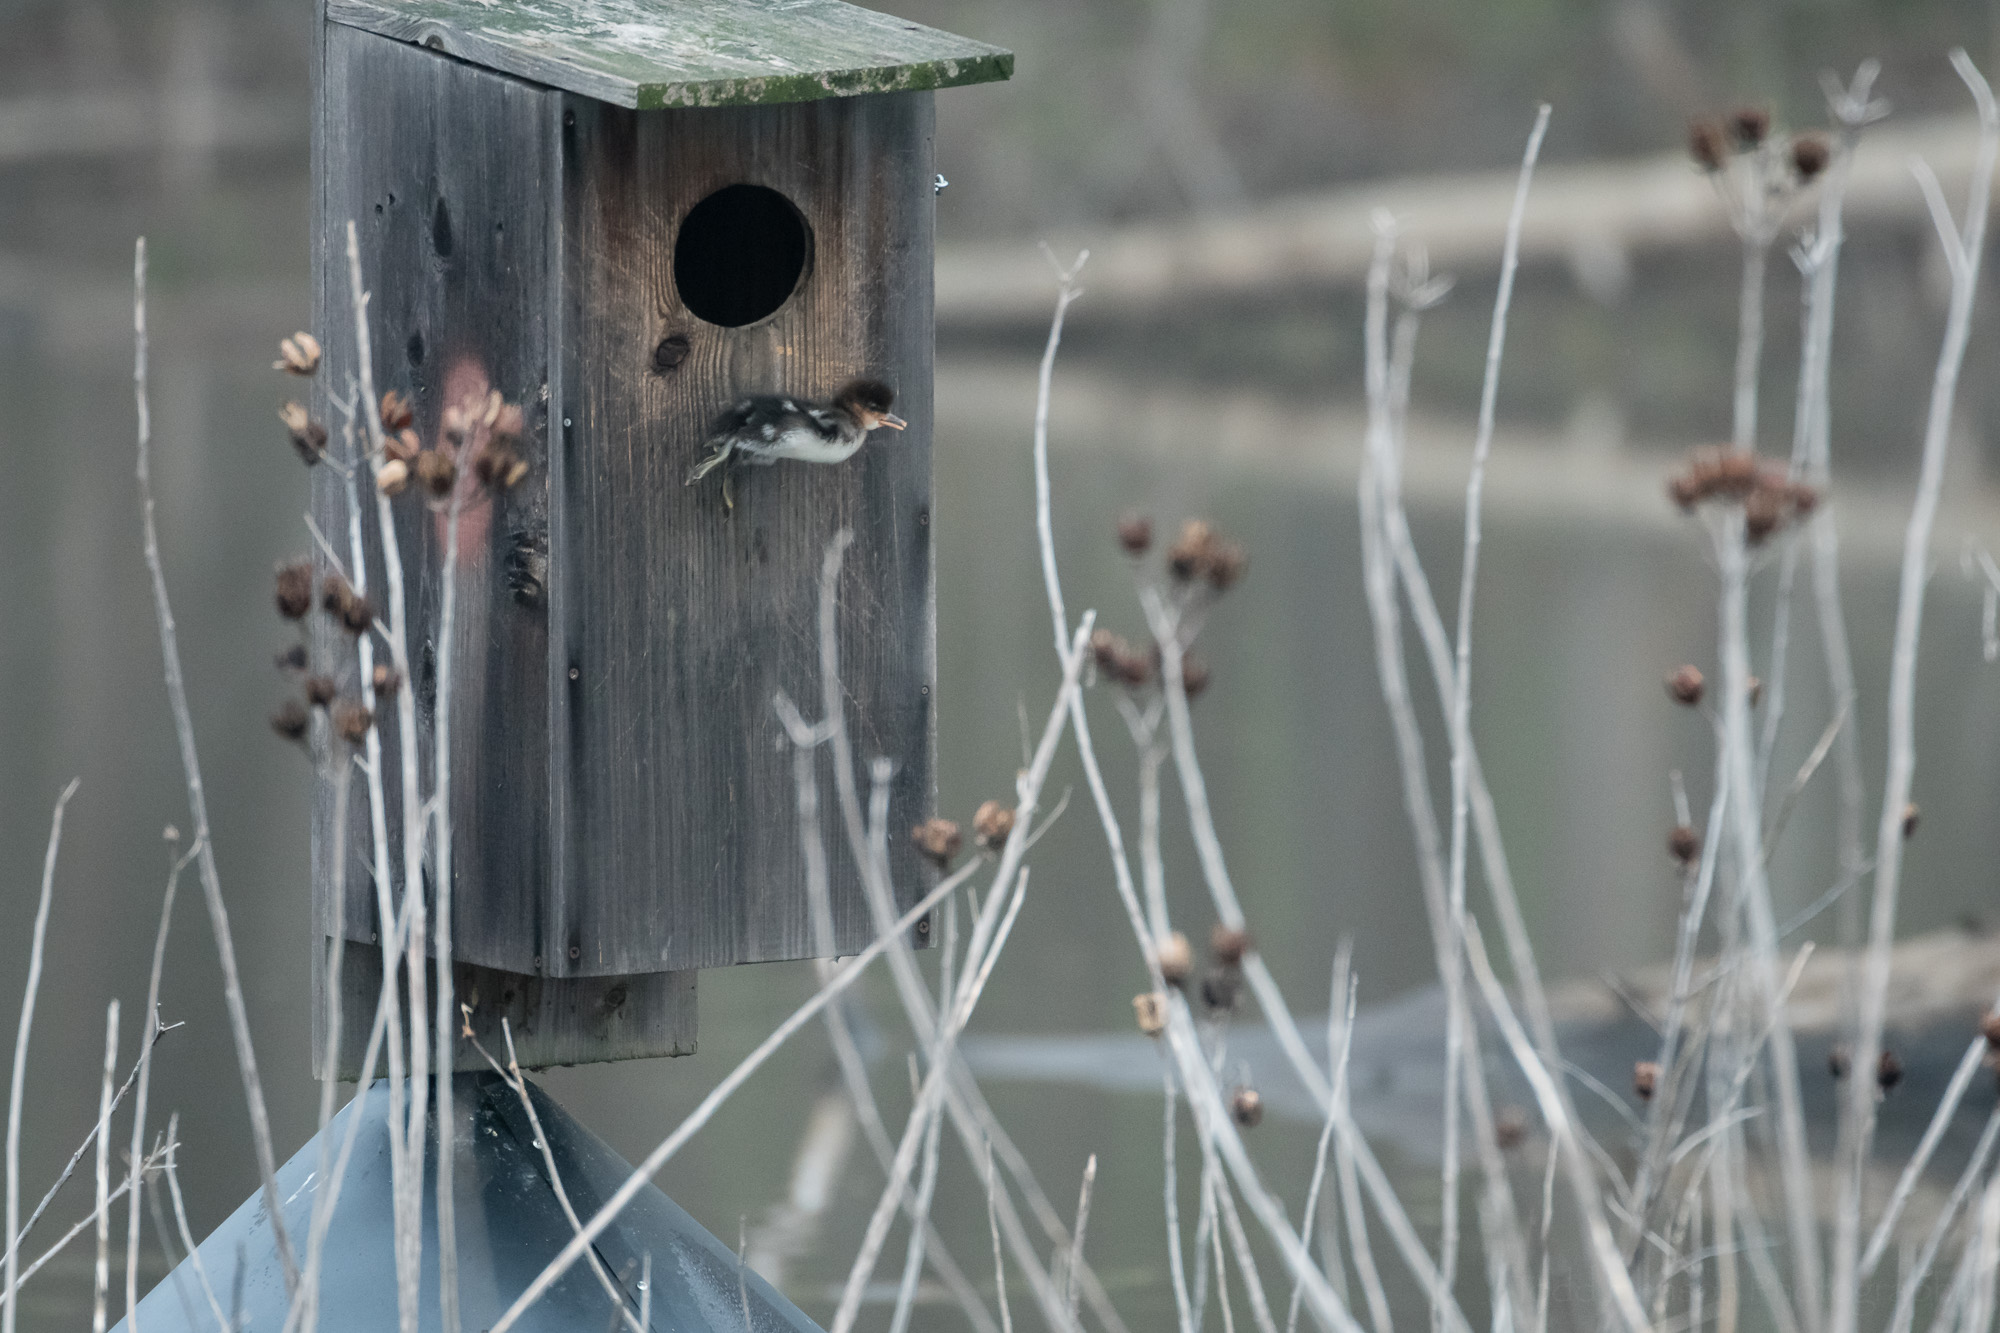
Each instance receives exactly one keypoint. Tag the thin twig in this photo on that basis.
(101, 1288)
(513, 1078)
(222, 1320)
(1912, 1280)
(1340, 1037)
(211, 881)
(1859, 1119)
(993, 1225)
(27, 1024)
(1068, 292)
(447, 1019)
(1076, 1234)
(647, 1169)
(407, 1189)
(1961, 1079)
(134, 1183)
(1461, 708)
(1609, 1266)
(927, 1102)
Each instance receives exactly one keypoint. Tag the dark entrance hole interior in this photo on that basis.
(740, 255)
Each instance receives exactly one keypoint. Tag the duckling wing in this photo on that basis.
(749, 417)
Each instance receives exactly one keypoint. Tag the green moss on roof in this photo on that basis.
(674, 53)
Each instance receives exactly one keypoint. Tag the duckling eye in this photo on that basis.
(740, 254)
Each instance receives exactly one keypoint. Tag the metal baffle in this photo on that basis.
(510, 1225)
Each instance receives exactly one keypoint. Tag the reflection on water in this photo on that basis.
(1584, 603)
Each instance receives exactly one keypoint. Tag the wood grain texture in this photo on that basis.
(649, 54)
(448, 172)
(680, 620)
(555, 1020)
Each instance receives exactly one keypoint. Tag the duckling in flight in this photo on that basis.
(766, 428)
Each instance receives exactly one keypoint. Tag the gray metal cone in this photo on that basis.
(509, 1226)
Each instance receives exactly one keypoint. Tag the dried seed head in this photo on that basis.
(1135, 534)
(939, 841)
(1645, 1079)
(320, 690)
(455, 422)
(1218, 988)
(335, 592)
(1246, 1107)
(1117, 660)
(1888, 1070)
(352, 721)
(992, 824)
(1188, 554)
(508, 423)
(1735, 472)
(298, 354)
(435, 472)
(1910, 817)
(385, 680)
(1194, 676)
(346, 605)
(393, 477)
(1202, 552)
(397, 414)
(294, 658)
(1684, 844)
(1175, 958)
(307, 435)
(1755, 690)
(1685, 491)
(498, 465)
(1763, 514)
(1749, 126)
(1228, 944)
(295, 589)
(1510, 1127)
(403, 446)
(1810, 155)
(1685, 685)
(1227, 563)
(1150, 1009)
(1839, 1063)
(291, 720)
(1708, 145)
(1989, 1028)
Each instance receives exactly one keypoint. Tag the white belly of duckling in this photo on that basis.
(800, 444)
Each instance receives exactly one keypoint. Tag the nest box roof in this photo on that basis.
(680, 53)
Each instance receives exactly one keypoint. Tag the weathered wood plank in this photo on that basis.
(650, 54)
(673, 785)
(555, 1020)
(449, 173)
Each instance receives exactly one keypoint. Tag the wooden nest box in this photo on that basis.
(626, 215)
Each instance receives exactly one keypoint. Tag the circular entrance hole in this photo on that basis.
(740, 255)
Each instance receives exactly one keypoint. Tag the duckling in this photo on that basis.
(766, 428)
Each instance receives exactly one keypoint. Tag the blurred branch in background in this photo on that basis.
(1594, 218)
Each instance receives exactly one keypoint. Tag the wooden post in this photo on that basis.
(623, 810)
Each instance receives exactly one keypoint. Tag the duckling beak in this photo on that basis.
(893, 422)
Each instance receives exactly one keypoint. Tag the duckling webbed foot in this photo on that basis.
(719, 459)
